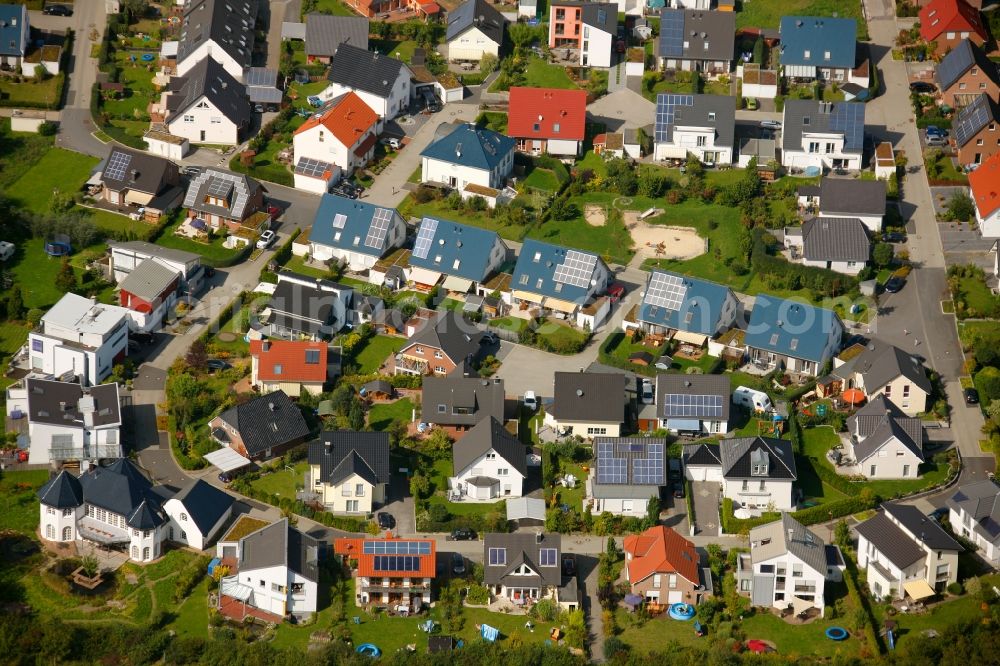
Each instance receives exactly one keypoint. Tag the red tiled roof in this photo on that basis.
(291, 356)
(661, 550)
(347, 120)
(365, 146)
(353, 549)
(985, 184)
(940, 16)
(545, 108)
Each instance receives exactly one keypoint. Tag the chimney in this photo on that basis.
(273, 407)
(538, 537)
(327, 447)
(266, 345)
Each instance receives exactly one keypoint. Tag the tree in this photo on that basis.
(842, 534)
(652, 183)
(758, 51)
(488, 63)
(521, 34)
(420, 486)
(882, 254)
(960, 207)
(563, 209)
(197, 355)
(653, 510)
(66, 278)
(135, 8)
(15, 304)
(356, 417)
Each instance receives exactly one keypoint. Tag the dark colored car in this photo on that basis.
(463, 534)
(939, 514)
(142, 338)
(620, 46)
(894, 237)
(489, 339)
(225, 477)
(934, 130)
(386, 521)
(678, 490)
(971, 396)
(216, 364)
(894, 284)
(58, 10)
(569, 564)
(923, 88)
(457, 564)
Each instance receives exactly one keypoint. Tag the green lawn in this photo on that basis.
(978, 299)
(382, 415)
(768, 13)
(400, 50)
(970, 332)
(612, 240)
(237, 325)
(442, 469)
(438, 208)
(19, 151)
(282, 482)
(375, 351)
(541, 74)
(542, 179)
(335, 7)
(191, 618)
(799, 641)
(516, 324)
(29, 92)
(556, 333)
(572, 497)
(139, 92)
(18, 505)
(298, 265)
(654, 633)
(213, 251)
(36, 272)
(305, 90)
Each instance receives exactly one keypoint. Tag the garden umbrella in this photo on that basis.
(854, 396)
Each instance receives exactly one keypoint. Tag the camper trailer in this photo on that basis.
(751, 399)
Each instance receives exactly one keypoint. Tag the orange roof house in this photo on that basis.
(985, 185)
(341, 138)
(391, 571)
(547, 120)
(948, 22)
(347, 120)
(663, 566)
(291, 365)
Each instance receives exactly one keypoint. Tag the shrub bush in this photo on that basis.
(955, 588)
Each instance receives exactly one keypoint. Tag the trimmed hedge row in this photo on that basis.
(347, 523)
(811, 516)
(835, 480)
(733, 525)
(861, 601)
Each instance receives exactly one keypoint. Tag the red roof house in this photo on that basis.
(948, 22)
(547, 120)
(985, 185)
(342, 137)
(663, 567)
(293, 366)
(392, 571)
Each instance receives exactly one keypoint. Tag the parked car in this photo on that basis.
(894, 284)
(936, 141)
(771, 124)
(142, 338)
(386, 521)
(58, 10)
(675, 469)
(923, 88)
(615, 291)
(934, 130)
(457, 564)
(679, 490)
(971, 396)
(274, 212)
(489, 338)
(214, 364)
(226, 477)
(647, 391)
(463, 534)
(569, 564)
(620, 46)
(894, 237)
(938, 514)
(265, 240)
(530, 400)
(392, 142)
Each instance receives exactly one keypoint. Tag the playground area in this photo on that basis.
(662, 242)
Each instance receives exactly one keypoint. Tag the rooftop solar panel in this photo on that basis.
(576, 269)
(264, 95)
(261, 76)
(666, 291)
(671, 34)
(612, 470)
(682, 405)
(390, 563)
(424, 238)
(849, 118)
(971, 119)
(379, 228)
(307, 166)
(666, 110)
(395, 547)
(117, 165)
(956, 63)
(220, 188)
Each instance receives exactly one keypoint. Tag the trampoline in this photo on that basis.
(836, 633)
(682, 612)
(147, 57)
(58, 249)
(369, 650)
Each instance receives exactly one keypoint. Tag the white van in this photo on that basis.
(757, 401)
(6, 250)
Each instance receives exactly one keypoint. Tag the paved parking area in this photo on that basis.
(706, 507)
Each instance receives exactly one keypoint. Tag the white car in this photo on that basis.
(530, 400)
(6, 250)
(392, 142)
(266, 239)
(647, 391)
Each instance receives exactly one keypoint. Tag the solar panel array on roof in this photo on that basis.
(117, 166)
(971, 119)
(849, 118)
(612, 470)
(671, 34)
(307, 166)
(263, 95)
(424, 238)
(220, 188)
(261, 76)
(576, 269)
(613, 462)
(396, 547)
(666, 291)
(397, 563)
(379, 228)
(681, 405)
(666, 107)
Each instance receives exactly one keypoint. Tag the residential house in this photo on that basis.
(825, 135)
(880, 369)
(974, 514)
(293, 366)
(945, 23)
(697, 404)
(523, 567)
(261, 428)
(349, 471)
(150, 294)
(79, 337)
(840, 244)
(754, 472)
(548, 120)
(589, 29)
(984, 188)
(822, 48)
(695, 40)
(975, 131)
(699, 125)
(354, 233)
(527, 9)
(197, 513)
(455, 403)
(15, 34)
(113, 506)
(488, 463)
(628, 472)
(466, 256)
(965, 73)
(275, 575)
(126, 257)
(587, 404)
(224, 200)
(65, 421)
(906, 554)
(391, 572)
(846, 197)
(885, 442)
(551, 278)
(468, 155)
(662, 567)
(335, 143)
(134, 178)
(788, 567)
(382, 82)
(793, 336)
(306, 308)
(207, 105)
(218, 30)
(475, 28)
(325, 33)
(444, 342)
(685, 309)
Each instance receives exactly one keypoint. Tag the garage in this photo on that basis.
(703, 473)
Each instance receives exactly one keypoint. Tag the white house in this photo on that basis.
(465, 155)
(382, 578)
(886, 443)
(488, 463)
(523, 565)
(791, 335)
(349, 471)
(79, 336)
(984, 188)
(220, 30)
(197, 513)
(700, 125)
(846, 197)
(335, 142)
(880, 369)
(551, 278)
(974, 514)
(628, 472)
(906, 554)
(693, 403)
(475, 28)
(840, 244)
(694, 40)
(588, 404)
(586, 30)
(384, 83)
(355, 233)
(754, 472)
(822, 135)
(127, 255)
(276, 572)
(209, 105)
(466, 256)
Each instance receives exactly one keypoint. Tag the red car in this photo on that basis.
(758, 646)
(616, 291)
(274, 212)
(620, 46)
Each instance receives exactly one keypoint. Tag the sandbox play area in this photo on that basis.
(663, 242)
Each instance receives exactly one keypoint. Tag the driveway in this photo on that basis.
(705, 495)
(400, 505)
(622, 108)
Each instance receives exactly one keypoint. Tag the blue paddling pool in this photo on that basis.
(369, 650)
(57, 249)
(682, 612)
(147, 57)
(836, 633)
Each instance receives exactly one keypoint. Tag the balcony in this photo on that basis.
(397, 588)
(410, 365)
(805, 589)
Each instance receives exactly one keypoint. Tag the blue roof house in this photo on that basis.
(694, 310)
(465, 255)
(791, 335)
(14, 35)
(353, 232)
(819, 47)
(463, 155)
(561, 280)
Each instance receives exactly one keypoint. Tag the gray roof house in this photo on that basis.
(628, 471)
(693, 403)
(880, 368)
(741, 456)
(753, 471)
(822, 134)
(448, 338)
(701, 124)
(880, 428)
(224, 195)
(522, 564)
(150, 281)
(849, 197)
(477, 14)
(262, 427)
(975, 515)
(362, 70)
(591, 403)
(62, 491)
(128, 170)
(325, 33)
(207, 81)
(955, 64)
(221, 30)
(280, 544)
(204, 504)
(342, 453)
(696, 39)
(458, 403)
(122, 489)
(488, 435)
(837, 243)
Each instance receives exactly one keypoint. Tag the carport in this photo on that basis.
(226, 460)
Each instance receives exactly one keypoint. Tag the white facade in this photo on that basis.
(159, 143)
(824, 150)
(494, 466)
(588, 430)
(938, 568)
(561, 147)
(181, 529)
(320, 143)
(279, 590)
(125, 259)
(620, 506)
(209, 49)
(989, 226)
(387, 108)
(873, 222)
(353, 495)
(471, 44)
(59, 525)
(760, 493)
(699, 141)
(202, 122)
(963, 524)
(457, 176)
(801, 581)
(598, 45)
(356, 261)
(703, 473)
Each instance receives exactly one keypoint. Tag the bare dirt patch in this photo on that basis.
(663, 242)
(595, 215)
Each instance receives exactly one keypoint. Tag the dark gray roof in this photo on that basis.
(959, 60)
(851, 196)
(141, 171)
(466, 400)
(880, 421)
(601, 15)
(891, 541)
(204, 504)
(154, 250)
(488, 434)
(148, 280)
(209, 79)
(881, 363)
(701, 454)
(324, 33)
(59, 403)
(340, 453)
(924, 529)
(974, 117)
(522, 548)
(243, 190)
(789, 536)
(718, 29)
(62, 492)
(304, 307)
(591, 397)
(123, 489)
(450, 333)
(717, 111)
(361, 69)
(739, 454)
(981, 501)
(266, 421)
(835, 239)
(675, 384)
(380, 386)
(280, 544)
(847, 118)
(480, 14)
(228, 23)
